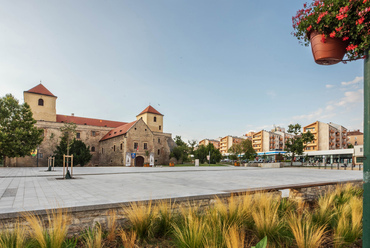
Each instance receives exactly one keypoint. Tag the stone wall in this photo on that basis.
(87, 216)
(52, 136)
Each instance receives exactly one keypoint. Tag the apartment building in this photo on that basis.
(355, 137)
(265, 141)
(227, 141)
(328, 136)
(205, 142)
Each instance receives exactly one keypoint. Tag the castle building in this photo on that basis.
(112, 143)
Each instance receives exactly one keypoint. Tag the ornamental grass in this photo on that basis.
(334, 220)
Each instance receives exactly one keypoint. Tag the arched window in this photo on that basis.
(93, 148)
(41, 102)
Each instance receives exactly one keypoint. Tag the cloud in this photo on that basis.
(354, 81)
(329, 86)
(351, 97)
(311, 116)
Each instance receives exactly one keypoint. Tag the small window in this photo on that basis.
(160, 127)
(155, 119)
(78, 135)
(93, 148)
(114, 148)
(145, 146)
(102, 150)
(136, 145)
(360, 149)
(159, 141)
(159, 152)
(121, 146)
(41, 155)
(93, 133)
(41, 102)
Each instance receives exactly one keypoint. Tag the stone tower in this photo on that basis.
(152, 118)
(42, 103)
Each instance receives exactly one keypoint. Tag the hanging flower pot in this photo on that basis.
(327, 51)
(345, 24)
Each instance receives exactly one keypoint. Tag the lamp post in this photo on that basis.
(366, 168)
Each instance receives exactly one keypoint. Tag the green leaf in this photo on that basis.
(262, 243)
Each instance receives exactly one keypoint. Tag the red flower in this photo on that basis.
(309, 28)
(351, 47)
(332, 34)
(323, 38)
(345, 38)
(339, 29)
(360, 21)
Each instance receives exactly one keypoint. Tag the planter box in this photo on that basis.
(270, 165)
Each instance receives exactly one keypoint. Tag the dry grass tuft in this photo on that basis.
(13, 239)
(93, 238)
(305, 232)
(349, 228)
(128, 239)
(191, 233)
(112, 225)
(235, 237)
(266, 218)
(54, 235)
(140, 216)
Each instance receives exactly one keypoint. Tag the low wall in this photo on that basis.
(286, 164)
(270, 165)
(86, 216)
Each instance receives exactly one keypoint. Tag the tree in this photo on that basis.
(180, 152)
(350, 146)
(236, 150)
(81, 152)
(297, 144)
(69, 131)
(243, 150)
(203, 151)
(18, 134)
(192, 146)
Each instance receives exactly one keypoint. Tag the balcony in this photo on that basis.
(332, 131)
(337, 133)
(338, 139)
(331, 137)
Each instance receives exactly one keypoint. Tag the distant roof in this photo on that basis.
(150, 109)
(121, 130)
(88, 121)
(40, 89)
(355, 132)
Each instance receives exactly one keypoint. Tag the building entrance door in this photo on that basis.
(139, 161)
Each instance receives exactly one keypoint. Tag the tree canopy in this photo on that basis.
(79, 150)
(18, 134)
(203, 151)
(243, 150)
(297, 144)
(181, 151)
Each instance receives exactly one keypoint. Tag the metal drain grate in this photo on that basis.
(10, 192)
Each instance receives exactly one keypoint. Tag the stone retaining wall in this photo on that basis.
(87, 216)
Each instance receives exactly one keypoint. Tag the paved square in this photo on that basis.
(25, 189)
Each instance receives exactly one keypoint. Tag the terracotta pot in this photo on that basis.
(329, 53)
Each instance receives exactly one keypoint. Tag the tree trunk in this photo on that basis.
(291, 161)
(4, 160)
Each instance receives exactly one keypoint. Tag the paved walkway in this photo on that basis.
(25, 189)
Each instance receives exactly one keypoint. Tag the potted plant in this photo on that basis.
(334, 28)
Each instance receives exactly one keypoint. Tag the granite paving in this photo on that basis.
(28, 189)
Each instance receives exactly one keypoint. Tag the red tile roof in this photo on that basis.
(89, 121)
(355, 132)
(121, 130)
(40, 89)
(150, 109)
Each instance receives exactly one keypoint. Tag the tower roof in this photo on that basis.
(149, 109)
(40, 89)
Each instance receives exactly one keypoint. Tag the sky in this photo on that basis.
(211, 67)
